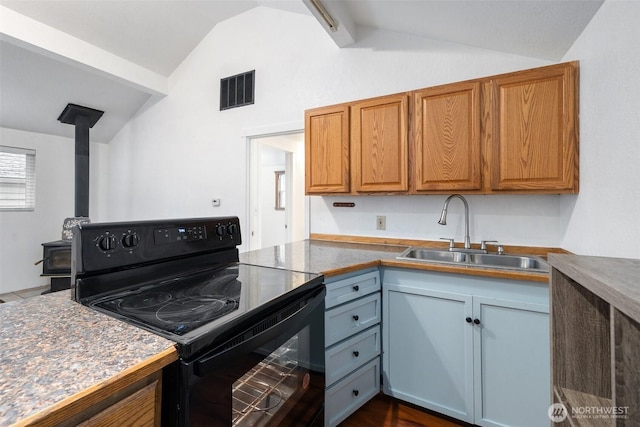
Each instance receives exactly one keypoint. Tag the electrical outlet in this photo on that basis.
(381, 222)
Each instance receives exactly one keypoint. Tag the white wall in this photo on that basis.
(604, 220)
(22, 232)
(180, 151)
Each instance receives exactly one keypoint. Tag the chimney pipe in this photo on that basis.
(83, 118)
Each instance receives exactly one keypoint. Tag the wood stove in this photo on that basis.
(56, 263)
(56, 256)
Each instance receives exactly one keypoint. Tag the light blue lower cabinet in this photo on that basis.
(428, 349)
(475, 349)
(512, 363)
(347, 395)
(352, 343)
(345, 357)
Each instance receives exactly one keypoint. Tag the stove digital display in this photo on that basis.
(179, 234)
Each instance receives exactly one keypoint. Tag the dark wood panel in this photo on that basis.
(627, 350)
(580, 336)
(385, 411)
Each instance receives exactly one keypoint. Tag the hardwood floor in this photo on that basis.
(385, 411)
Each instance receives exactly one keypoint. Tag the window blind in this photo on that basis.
(17, 178)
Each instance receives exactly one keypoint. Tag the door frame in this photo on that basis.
(297, 229)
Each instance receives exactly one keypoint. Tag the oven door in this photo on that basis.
(271, 374)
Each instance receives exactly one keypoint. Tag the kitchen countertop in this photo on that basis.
(615, 280)
(52, 348)
(333, 258)
(322, 257)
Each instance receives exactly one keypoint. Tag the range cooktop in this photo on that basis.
(191, 307)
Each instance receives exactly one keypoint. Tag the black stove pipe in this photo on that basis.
(83, 118)
(82, 167)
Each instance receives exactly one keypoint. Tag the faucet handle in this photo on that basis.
(451, 243)
(483, 246)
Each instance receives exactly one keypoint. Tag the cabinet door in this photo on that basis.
(534, 141)
(139, 409)
(447, 138)
(427, 349)
(327, 150)
(379, 141)
(512, 363)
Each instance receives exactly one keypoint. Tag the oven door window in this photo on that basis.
(275, 383)
(270, 386)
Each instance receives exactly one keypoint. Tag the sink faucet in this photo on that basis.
(443, 217)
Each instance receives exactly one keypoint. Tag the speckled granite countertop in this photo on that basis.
(333, 258)
(318, 256)
(52, 348)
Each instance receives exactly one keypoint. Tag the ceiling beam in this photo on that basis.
(30, 34)
(344, 33)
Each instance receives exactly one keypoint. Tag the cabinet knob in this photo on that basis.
(356, 353)
(469, 319)
(356, 392)
(476, 321)
(356, 288)
(356, 317)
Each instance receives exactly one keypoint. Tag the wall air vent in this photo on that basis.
(238, 90)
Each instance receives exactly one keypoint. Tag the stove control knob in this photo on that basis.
(108, 242)
(232, 229)
(221, 230)
(130, 240)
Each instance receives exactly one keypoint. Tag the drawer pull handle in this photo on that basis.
(356, 288)
(468, 319)
(476, 321)
(356, 392)
(356, 353)
(356, 317)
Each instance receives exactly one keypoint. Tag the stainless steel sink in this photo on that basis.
(520, 262)
(433, 255)
(508, 262)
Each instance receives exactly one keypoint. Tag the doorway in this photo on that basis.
(278, 207)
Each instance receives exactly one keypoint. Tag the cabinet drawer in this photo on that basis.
(349, 319)
(351, 354)
(139, 409)
(349, 289)
(346, 396)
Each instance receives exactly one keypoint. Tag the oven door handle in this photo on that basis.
(296, 321)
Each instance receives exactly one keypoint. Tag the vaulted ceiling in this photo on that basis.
(55, 52)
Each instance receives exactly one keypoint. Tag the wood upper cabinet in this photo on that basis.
(534, 143)
(379, 144)
(447, 140)
(511, 133)
(327, 150)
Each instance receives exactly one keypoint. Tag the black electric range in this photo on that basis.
(250, 339)
(180, 279)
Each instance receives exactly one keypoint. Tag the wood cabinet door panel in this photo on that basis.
(379, 137)
(327, 150)
(535, 135)
(447, 151)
